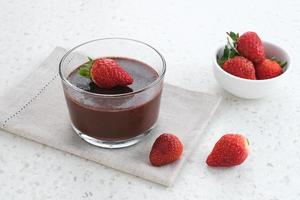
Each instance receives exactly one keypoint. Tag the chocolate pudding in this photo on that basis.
(120, 117)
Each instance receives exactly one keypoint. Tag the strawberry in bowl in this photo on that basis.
(248, 67)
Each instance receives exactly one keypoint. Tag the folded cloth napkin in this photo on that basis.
(35, 109)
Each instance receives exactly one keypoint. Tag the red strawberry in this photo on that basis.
(230, 150)
(105, 73)
(268, 69)
(166, 149)
(250, 46)
(241, 67)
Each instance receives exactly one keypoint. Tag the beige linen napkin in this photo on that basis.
(36, 109)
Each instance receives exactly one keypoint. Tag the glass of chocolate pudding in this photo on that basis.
(120, 116)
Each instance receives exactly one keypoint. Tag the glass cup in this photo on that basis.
(113, 120)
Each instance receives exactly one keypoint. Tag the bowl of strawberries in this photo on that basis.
(248, 67)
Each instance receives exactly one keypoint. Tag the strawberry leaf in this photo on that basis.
(233, 54)
(230, 50)
(84, 72)
(85, 68)
(232, 46)
(233, 36)
(225, 56)
(281, 63)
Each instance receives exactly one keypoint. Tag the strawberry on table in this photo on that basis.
(105, 73)
(241, 67)
(166, 149)
(230, 150)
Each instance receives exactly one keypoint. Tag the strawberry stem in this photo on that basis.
(247, 141)
(230, 50)
(232, 47)
(85, 69)
(234, 36)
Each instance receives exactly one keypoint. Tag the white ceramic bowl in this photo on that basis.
(252, 89)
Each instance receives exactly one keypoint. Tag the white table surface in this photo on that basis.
(186, 33)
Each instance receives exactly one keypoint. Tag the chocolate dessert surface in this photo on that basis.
(112, 123)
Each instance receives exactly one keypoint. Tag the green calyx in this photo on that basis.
(233, 36)
(247, 141)
(85, 69)
(230, 50)
(281, 63)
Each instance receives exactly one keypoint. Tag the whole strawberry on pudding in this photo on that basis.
(110, 106)
(105, 73)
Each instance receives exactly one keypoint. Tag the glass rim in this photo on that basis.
(158, 80)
